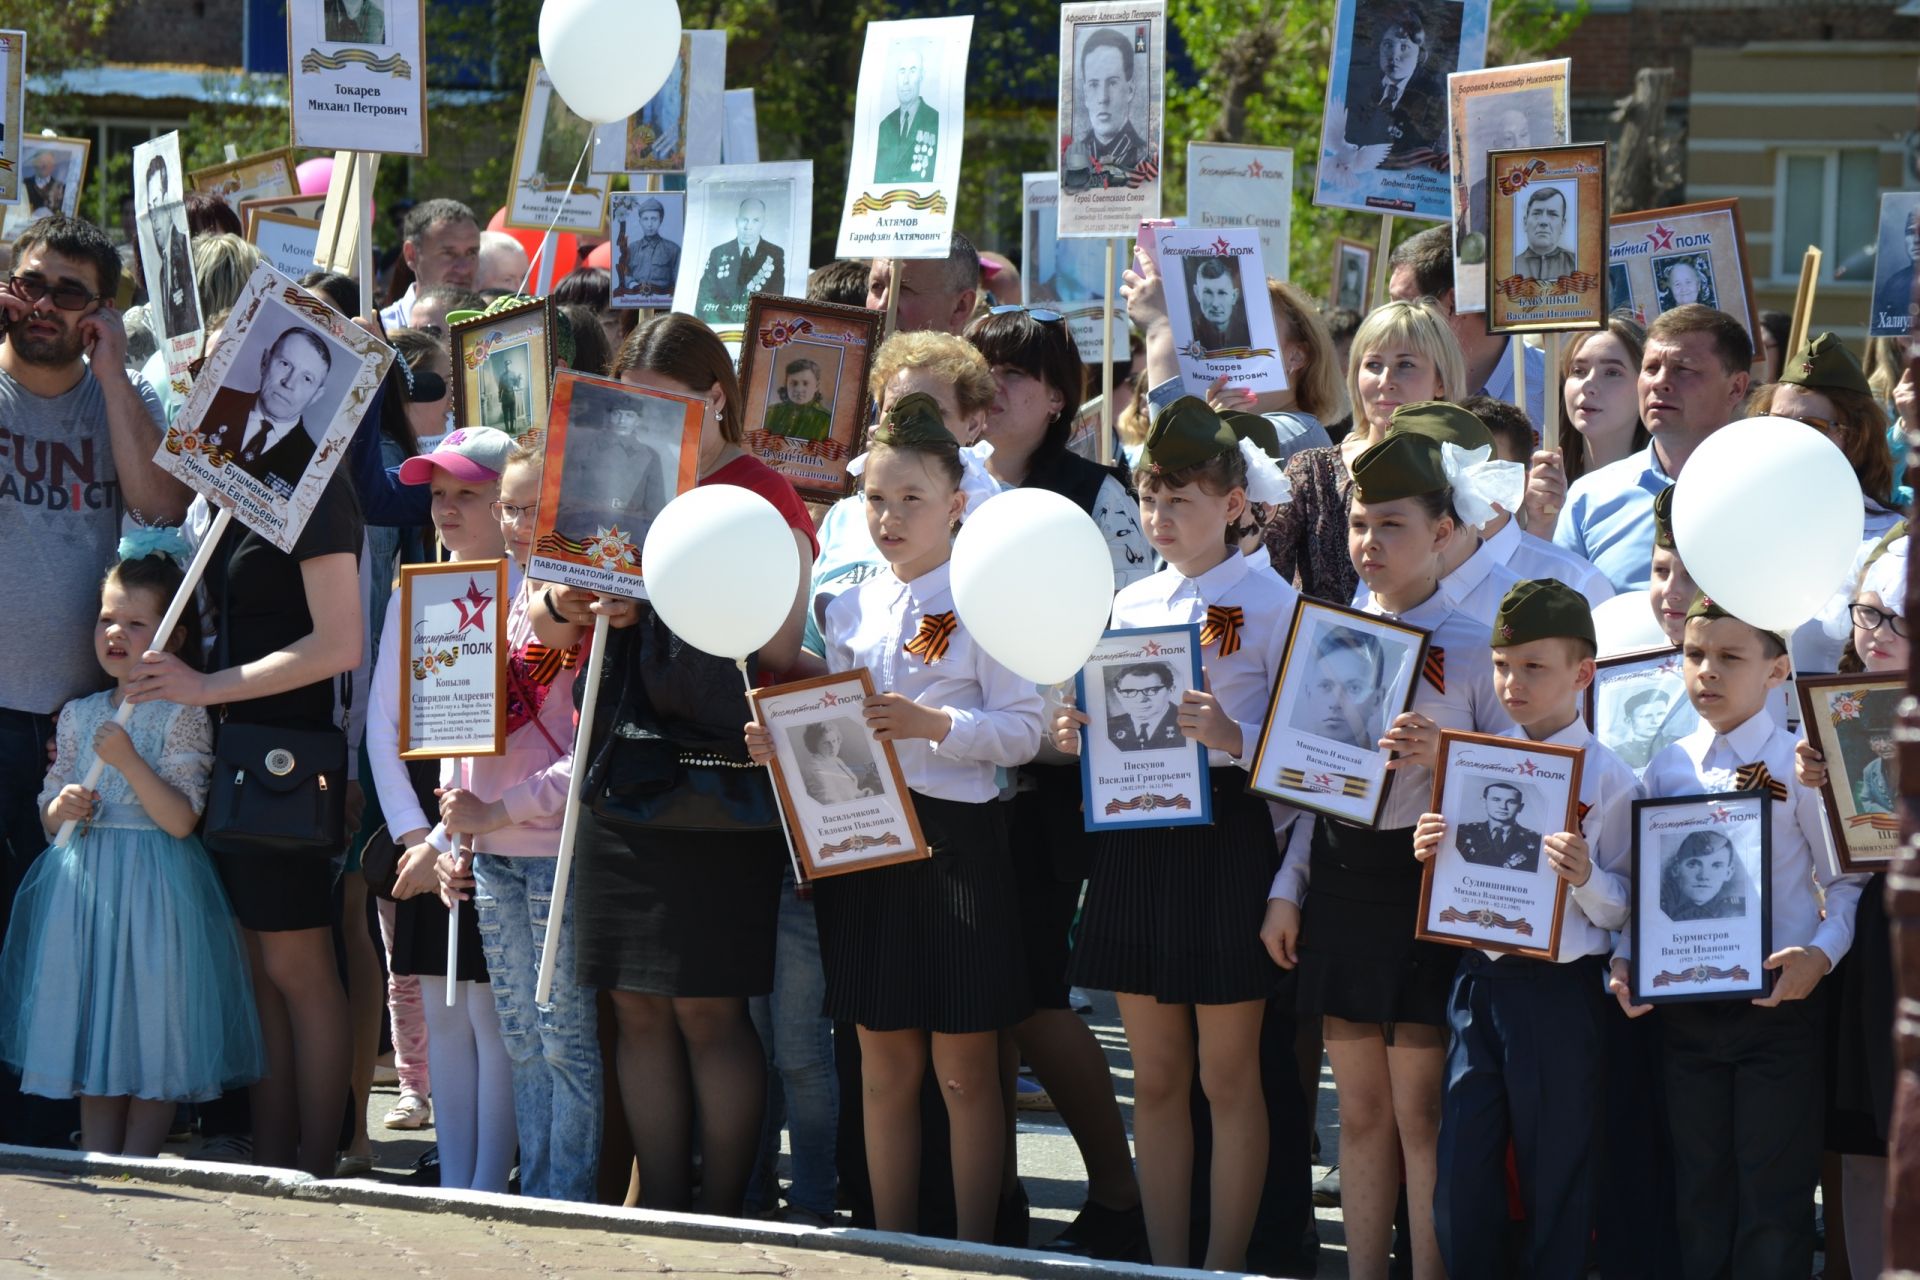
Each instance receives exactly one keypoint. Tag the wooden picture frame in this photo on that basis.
(266, 175)
(1683, 960)
(276, 235)
(1575, 296)
(1648, 243)
(840, 341)
(544, 196)
(305, 207)
(433, 643)
(1844, 715)
(74, 153)
(1129, 777)
(493, 388)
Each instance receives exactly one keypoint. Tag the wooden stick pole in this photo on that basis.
(570, 822)
(1106, 366)
(786, 826)
(1803, 302)
(1381, 271)
(363, 246)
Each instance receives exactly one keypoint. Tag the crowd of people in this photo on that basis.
(1499, 1114)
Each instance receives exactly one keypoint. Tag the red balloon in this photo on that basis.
(602, 256)
(566, 247)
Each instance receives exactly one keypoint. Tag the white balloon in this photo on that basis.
(722, 569)
(1626, 623)
(1033, 583)
(1767, 517)
(608, 57)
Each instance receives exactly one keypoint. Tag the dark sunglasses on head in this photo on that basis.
(67, 297)
(1042, 314)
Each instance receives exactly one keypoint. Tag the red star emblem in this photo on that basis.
(1722, 814)
(830, 699)
(1254, 170)
(1221, 247)
(1151, 648)
(1528, 768)
(1661, 237)
(473, 608)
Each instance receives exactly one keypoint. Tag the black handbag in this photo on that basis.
(277, 791)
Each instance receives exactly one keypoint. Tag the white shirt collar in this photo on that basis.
(929, 586)
(1215, 582)
(1462, 582)
(1503, 544)
(1574, 735)
(1750, 739)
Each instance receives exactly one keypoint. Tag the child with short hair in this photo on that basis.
(800, 415)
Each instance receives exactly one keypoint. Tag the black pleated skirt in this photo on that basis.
(675, 913)
(1175, 912)
(420, 940)
(1358, 956)
(932, 945)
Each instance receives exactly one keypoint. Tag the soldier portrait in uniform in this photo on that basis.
(1343, 697)
(1219, 309)
(647, 230)
(506, 387)
(1500, 839)
(1682, 279)
(616, 475)
(1112, 150)
(1396, 85)
(1894, 259)
(1548, 222)
(46, 182)
(164, 251)
(1701, 879)
(907, 143)
(800, 411)
(356, 21)
(1142, 707)
(657, 133)
(744, 265)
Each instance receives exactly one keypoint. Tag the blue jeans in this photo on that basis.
(802, 1091)
(555, 1048)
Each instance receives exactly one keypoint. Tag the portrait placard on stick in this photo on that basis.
(358, 73)
(1701, 925)
(680, 127)
(748, 231)
(453, 670)
(1352, 273)
(1066, 274)
(286, 243)
(271, 415)
(13, 111)
(1230, 185)
(616, 454)
(649, 230)
(166, 258)
(503, 369)
(548, 153)
(55, 174)
(1659, 259)
(803, 369)
(909, 123)
(1216, 295)
(844, 798)
(1136, 768)
(1499, 108)
(1490, 884)
(1383, 136)
(1113, 70)
(1549, 239)
(1850, 721)
(1894, 308)
(258, 177)
(306, 208)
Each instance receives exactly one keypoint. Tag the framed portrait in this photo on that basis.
(1491, 885)
(13, 111)
(552, 186)
(741, 141)
(1113, 71)
(1231, 184)
(53, 173)
(343, 212)
(268, 175)
(680, 126)
(1217, 304)
(307, 207)
(909, 122)
(1066, 274)
(1352, 274)
(166, 255)
(503, 369)
(648, 229)
(844, 799)
(1686, 253)
(288, 243)
(749, 227)
(803, 370)
(359, 75)
(1850, 720)
(1701, 925)
(309, 372)
(1548, 239)
(1637, 705)
(1345, 676)
(615, 455)
(1898, 248)
(453, 670)
(1496, 109)
(1136, 768)
(1383, 136)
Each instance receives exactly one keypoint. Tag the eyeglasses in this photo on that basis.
(67, 297)
(1042, 314)
(1134, 695)
(1868, 618)
(508, 513)
(1825, 426)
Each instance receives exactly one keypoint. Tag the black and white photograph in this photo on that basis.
(842, 797)
(1681, 279)
(748, 229)
(1850, 720)
(1346, 675)
(681, 126)
(1620, 289)
(1498, 109)
(55, 175)
(1550, 221)
(13, 106)
(1700, 924)
(648, 229)
(1067, 275)
(553, 187)
(1352, 274)
(356, 21)
(909, 120)
(1217, 305)
(1548, 239)
(166, 258)
(359, 75)
(1637, 705)
(269, 418)
(503, 366)
(1488, 885)
(1112, 83)
(1898, 249)
(1137, 769)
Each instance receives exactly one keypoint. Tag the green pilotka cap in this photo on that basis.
(1442, 422)
(1704, 607)
(1663, 519)
(1825, 364)
(1406, 465)
(1542, 609)
(1260, 430)
(914, 420)
(1187, 433)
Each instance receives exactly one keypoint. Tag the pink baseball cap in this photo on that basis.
(471, 453)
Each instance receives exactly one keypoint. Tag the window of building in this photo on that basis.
(1828, 198)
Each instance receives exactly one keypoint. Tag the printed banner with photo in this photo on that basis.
(680, 127)
(1346, 675)
(1113, 71)
(359, 75)
(550, 148)
(616, 455)
(803, 370)
(1216, 295)
(749, 228)
(1549, 239)
(741, 142)
(1702, 927)
(55, 174)
(503, 369)
(1498, 109)
(1066, 274)
(1490, 884)
(269, 175)
(1660, 259)
(306, 208)
(1850, 721)
(1894, 308)
(1136, 768)
(1383, 138)
(273, 412)
(289, 244)
(1637, 705)
(844, 799)
(1352, 274)
(1230, 185)
(453, 670)
(649, 228)
(166, 255)
(13, 111)
(909, 124)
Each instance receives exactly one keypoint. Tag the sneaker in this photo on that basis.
(1031, 1095)
(1079, 1001)
(227, 1148)
(1116, 1235)
(1326, 1190)
(411, 1112)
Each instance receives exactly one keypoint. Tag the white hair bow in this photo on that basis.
(1266, 483)
(1480, 482)
(975, 481)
